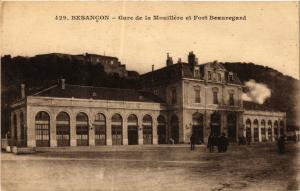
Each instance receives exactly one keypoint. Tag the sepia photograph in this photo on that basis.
(150, 96)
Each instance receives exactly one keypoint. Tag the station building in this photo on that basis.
(173, 103)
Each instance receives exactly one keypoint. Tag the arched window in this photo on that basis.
(256, 130)
(100, 129)
(117, 129)
(263, 130)
(132, 122)
(215, 95)
(147, 129)
(276, 130)
(82, 129)
(161, 129)
(270, 130)
(42, 129)
(63, 129)
(248, 130)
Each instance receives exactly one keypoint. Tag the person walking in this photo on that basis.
(281, 144)
(210, 143)
(192, 141)
(224, 143)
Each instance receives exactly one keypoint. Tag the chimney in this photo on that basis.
(62, 83)
(169, 60)
(22, 91)
(152, 67)
(192, 59)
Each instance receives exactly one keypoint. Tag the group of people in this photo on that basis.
(220, 141)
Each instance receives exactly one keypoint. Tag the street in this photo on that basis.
(168, 167)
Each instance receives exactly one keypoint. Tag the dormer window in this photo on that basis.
(219, 77)
(209, 75)
(196, 73)
(230, 77)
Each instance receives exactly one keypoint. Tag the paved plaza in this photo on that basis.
(155, 167)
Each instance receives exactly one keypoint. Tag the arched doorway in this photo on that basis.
(270, 130)
(42, 129)
(117, 129)
(256, 131)
(231, 127)
(263, 130)
(147, 129)
(175, 129)
(100, 129)
(276, 130)
(63, 129)
(132, 122)
(215, 124)
(248, 130)
(82, 129)
(161, 129)
(197, 129)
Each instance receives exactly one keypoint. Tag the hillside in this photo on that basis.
(41, 71)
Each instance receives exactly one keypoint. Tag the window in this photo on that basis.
(231, 99)
(82, 129)
(63, 129)
(173, 96)
(42, 129)
(155, 92)
(215, 96)
(219, 77)
(230, 77)
(197, 95)
(197, 73)
(100, 129)
(209, 75)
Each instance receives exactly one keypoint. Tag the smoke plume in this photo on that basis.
(257, 92)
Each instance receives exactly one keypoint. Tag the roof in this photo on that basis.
(180, 70)
(255, 106)
(168, 74)
(98, 93)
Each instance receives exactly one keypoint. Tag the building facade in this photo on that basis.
(174, 102)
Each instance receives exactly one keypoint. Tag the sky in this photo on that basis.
(269, 36)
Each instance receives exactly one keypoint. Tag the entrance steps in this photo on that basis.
(107, 148)
(22, 150)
